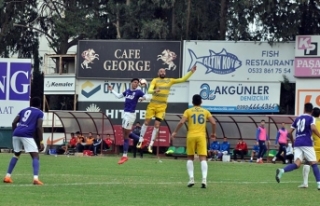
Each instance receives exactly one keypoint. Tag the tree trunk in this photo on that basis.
(188, 19)
(173, 23)
(223, 19)
(117, 24)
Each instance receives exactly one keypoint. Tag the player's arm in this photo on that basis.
(15, 122)
(213, 125)
(119, 96)
(315, 130)
(277, 138)
(152, 88)
(181, 122)
(185, 77)
(257, 135)
(40, 132)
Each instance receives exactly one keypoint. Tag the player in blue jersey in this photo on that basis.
(132, 97)
(303, 145)
(25, 125)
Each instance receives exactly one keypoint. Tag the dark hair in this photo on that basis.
(196, 100)
(308, 107)
(35, 102)
(316, 112)
(137, 122)
(108, 134)
(135, 79)
(72, 133)
(77, 132)
(225, 137)
(262, 120)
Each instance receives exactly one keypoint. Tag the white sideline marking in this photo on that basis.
(140, 183)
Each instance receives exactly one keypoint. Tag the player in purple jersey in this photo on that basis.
(26, 123)
(132, 97)
(303, 145)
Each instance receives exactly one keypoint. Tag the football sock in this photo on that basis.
(251, 158)
(142, 132)
(125, 146)
(154, 136)
(204, 169)
(305, 174)
(316, 172)
(12, 164)
(274, 159)
(290, 167)
(35, 165)
(190, 168)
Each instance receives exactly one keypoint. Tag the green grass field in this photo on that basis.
(101, 181)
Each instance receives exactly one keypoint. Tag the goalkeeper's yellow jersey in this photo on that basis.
(316, 139)
(164, 85)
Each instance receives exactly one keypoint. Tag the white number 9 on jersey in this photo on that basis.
(26, 115)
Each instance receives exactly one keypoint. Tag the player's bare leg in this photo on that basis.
(154, 134)
(124, 157)
(190, 170)
(143, 132)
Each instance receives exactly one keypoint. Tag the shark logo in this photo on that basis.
(86, 85)
(218, 63)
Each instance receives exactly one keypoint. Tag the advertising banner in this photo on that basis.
(97, 91)
(307, 90)
(239, 61)
(59, 85)
(237, 97)
(126, 59)
(15, 81)
(114, 110)
(307, 56)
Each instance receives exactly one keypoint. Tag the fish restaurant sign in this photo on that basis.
(241, 61)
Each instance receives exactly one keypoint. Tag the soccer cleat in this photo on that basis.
(123, 160)
(204, 183)
(303, 186)
(279, 173)
(149, 149)
(7, 180)
(139, 145)
(37, 182)
(191, 182)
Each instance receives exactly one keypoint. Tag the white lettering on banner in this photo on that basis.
(118, 114)
(3, 83)
(14, 80)
(6, 110)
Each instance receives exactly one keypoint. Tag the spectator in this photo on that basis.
(96, 145)
(289, 152)
(262, 137)
(281, 138)
(134, 135)
(224, 148)
(107, 143)
(80, 142)
(89, 142)
(72, 144)
(255, 151)
(241, 149)
(214, 149)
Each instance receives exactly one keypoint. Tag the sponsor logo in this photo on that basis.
(89, 85)
(218, 63)
(305, 44)
(58, 84)
(167, 58)
(93, 108)
(89, 56)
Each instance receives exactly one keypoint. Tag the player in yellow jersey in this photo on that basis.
(160, 89)
(196, 137)
(316, 145)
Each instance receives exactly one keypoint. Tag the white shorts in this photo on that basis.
(28, 143)
(128, 120)
(307, 153)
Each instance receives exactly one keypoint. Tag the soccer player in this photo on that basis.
(30, 121)
(281, 138)
(262, 137)
(316, 144)
(304, 126)
(160, 89)
(132, 96)
(196, 137)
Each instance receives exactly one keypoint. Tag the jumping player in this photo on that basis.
(160, 89)
(316, 145)
(303, 145)
(132, 96)
(29, 121)
(196, 137)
